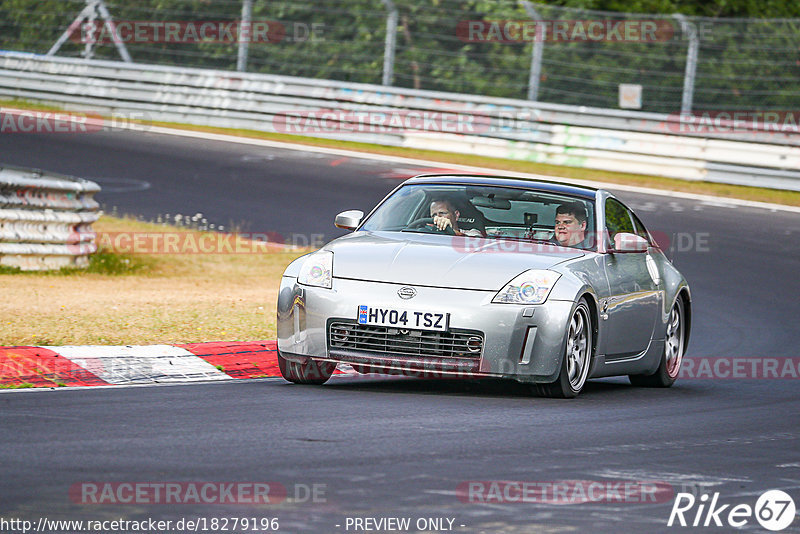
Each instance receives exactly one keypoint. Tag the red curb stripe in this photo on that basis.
(42, 368)
(239, 359)
(256, 359)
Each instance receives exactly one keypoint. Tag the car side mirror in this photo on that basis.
(625, 242)
(349, 220)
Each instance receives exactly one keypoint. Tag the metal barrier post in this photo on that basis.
(245, 32)
(391, 41)
(689, 30)
(536, 56)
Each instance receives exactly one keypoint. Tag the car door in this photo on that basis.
(631, 309)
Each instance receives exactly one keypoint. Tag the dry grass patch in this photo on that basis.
(145, 298)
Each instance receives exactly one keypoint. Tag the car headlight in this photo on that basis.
(531, 287)
(317, 270)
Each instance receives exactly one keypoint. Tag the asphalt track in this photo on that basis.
(391, 447)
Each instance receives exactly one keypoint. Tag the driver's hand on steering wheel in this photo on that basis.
(441, 223)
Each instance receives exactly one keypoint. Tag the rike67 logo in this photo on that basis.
(774, 510)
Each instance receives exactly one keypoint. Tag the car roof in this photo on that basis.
(588, 193)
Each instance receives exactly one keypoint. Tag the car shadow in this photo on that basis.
(486, 387)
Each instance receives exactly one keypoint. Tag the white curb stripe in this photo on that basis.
(140, 364)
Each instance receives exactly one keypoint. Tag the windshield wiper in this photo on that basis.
(527, 239)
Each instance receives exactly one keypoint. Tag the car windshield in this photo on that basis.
(487, 211)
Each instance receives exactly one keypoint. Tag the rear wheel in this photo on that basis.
(577, 357)
(309, 372)
(670, 365)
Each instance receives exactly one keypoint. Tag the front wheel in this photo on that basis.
(309, 372)
(577, 357)
(670, 365)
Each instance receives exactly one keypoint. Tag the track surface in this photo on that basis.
(388, 447)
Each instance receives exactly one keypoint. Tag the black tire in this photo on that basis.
(674, 345)
(577, 358)
(310, 372)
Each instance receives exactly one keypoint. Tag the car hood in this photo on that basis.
(439, 260)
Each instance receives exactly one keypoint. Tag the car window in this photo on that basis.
(641, 231)
(492, 212)
(395, 213)
(618, 218)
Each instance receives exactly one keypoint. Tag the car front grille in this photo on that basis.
(462, 344)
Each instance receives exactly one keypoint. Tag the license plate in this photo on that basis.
(406, 319)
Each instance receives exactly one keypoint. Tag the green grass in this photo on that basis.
(102, 262)
(114, 264)
(24, 385)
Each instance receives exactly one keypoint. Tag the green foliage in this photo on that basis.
(743, 64)
(106, 262)
(6, 269)
(101, 262)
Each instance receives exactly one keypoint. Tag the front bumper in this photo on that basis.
(520, 342)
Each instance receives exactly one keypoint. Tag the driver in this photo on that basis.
(570, 226)
(445, 214)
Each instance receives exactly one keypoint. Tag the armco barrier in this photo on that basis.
(617, 140)
(45, 219)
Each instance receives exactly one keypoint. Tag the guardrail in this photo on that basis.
(617, 140)
(45, 219)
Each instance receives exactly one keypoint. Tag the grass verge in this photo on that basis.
(124, 299)
(790, 198)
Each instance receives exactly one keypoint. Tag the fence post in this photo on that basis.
(89, 13)
(245, 34)
(691, 62)
(109, 22)
(391, 41)
(536, 56)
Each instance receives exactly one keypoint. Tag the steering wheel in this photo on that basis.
(425, 224)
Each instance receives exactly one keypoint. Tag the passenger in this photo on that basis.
(444, 214)
(570, 226)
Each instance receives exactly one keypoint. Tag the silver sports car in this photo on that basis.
(477, 276)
